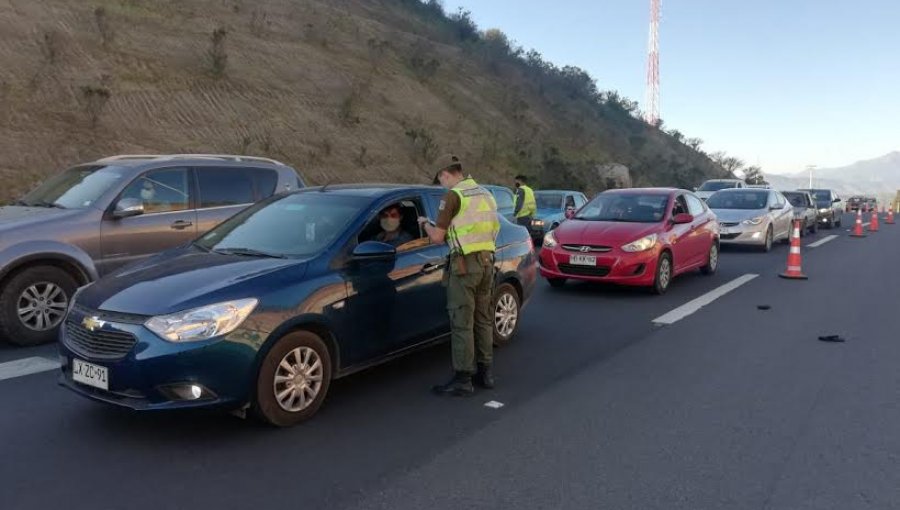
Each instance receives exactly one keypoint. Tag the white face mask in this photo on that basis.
(147, 194)
(390, 224)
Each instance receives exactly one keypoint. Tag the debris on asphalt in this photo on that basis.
(763, 307)
(832, 338)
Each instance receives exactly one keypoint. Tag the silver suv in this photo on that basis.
(94, 218)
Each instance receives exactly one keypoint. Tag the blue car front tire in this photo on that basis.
(293, 380)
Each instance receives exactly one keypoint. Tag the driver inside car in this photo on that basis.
(391, 233)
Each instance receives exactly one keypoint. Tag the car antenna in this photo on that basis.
(327, 183)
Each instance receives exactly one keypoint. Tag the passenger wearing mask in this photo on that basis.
(391, 233)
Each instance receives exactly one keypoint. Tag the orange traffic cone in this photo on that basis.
(858, 228)
(873, 226)
(794, 271)
(890, 218)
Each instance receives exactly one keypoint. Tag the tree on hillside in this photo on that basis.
(728, 163)
(694, 143)
(753, 175)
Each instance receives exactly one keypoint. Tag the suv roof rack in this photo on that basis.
(223, 157)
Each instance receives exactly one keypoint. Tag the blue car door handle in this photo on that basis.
(432, 267)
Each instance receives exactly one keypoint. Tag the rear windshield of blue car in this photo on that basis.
(739, 200)
(797, 199)
(625, 208)
(298, 225)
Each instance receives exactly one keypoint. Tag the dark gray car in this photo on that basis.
(96, 217)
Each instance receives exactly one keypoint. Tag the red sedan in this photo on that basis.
(641, 237)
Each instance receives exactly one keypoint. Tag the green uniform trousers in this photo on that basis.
(470, 283)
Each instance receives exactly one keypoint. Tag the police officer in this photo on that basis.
(526, 206)
(467, 221)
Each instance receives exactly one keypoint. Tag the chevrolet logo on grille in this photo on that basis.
(93, 323)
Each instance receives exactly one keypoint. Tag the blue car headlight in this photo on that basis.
(202, 323)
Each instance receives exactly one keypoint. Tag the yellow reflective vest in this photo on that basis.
(475, 226)
(529, 205)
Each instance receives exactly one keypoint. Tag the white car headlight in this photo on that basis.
(202, 323)
(550, 240)
(642, 244)
(754, 221)
(824, 210)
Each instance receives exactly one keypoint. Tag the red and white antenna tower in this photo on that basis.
(652, 106)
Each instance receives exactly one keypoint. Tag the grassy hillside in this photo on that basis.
(344, 90)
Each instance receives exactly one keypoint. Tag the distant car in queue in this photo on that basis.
(804, 210)
(828, 203)
(637, 237)
(752, 217)
(264, 310)
(551, 209)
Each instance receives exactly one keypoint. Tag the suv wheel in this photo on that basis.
(34, 303)
(293, 380)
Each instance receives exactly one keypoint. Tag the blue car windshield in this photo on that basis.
(747, 200)
(625, 208)
(297, 225)
(548, 200)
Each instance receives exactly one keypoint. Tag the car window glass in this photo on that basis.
(266, 181)
(548, 200)
(679, 207)
(504, 199)
(161, 190)
(570, 201)
(408, 236)
(76, 187)
(695, 206)
(297, 225)
(625, 208)
(745, 200)
(580, 200)
(225, 186)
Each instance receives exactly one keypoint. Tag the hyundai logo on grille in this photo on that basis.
(585, 249)
(93, 323)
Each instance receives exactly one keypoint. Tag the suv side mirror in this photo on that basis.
(373, 251)
(128, 207)
(683, 218)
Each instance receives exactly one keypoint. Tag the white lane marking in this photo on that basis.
(692, 306)
(493, 404)
(822, 241)
(26, 366)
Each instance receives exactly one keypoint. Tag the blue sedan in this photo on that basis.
(266, 309)
(551, 209)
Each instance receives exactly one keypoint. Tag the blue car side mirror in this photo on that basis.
(371, 251)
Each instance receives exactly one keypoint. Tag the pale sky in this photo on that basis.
(781, 83)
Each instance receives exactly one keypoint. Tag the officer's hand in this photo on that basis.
(423, 220)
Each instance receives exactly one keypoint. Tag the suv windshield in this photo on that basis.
(739, 200)
(625, 208)
(796, 199)
(717, 185)
(548, 200)
(76, 188)
(298, 225)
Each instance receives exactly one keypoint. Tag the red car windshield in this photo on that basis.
(625, 208)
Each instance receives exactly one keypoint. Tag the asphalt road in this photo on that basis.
(731, 407)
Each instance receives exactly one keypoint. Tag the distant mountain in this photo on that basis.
(877, 177)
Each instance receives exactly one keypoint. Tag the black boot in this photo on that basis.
(459, 386)
(485, 377)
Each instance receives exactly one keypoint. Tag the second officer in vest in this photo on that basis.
(467, 221)
(526, 206)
